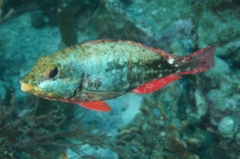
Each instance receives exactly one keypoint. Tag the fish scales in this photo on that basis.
(102, 61)
(90, 72)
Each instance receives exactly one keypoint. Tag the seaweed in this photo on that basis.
(27, 134)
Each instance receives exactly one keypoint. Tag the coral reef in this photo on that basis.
(195, 117)
(27, 134)
(164, 129)
(110, 20)
(23, 131)
(158, 132)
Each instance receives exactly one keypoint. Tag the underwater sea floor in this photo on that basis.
(195, 117)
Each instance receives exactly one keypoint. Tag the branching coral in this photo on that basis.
(27, 133)
(23, 134)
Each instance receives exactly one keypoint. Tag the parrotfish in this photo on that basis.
(90, 72)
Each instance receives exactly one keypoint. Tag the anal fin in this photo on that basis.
(155, 85)
(96, 105)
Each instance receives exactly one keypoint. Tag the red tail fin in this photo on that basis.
(201, 60)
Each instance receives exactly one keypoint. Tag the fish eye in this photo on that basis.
(53, 73)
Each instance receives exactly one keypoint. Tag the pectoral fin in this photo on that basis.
(155, 85)
(96, 105)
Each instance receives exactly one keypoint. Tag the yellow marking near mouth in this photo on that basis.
(26, 87)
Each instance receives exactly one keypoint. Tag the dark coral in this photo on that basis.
(158, 132)
(27, 133)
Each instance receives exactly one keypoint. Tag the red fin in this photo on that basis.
(155, 85)
(96, 105)
(201, 60)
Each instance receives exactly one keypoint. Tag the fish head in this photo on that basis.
(53, 78)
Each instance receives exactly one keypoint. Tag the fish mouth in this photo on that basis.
(26, 87)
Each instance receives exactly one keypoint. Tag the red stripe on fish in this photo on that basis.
(155, 85)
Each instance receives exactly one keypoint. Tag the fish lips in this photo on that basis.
(26, 87)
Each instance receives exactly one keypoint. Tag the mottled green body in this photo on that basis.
(99, 70)
(119, 65)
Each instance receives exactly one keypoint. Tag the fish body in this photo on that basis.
(90, 72)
